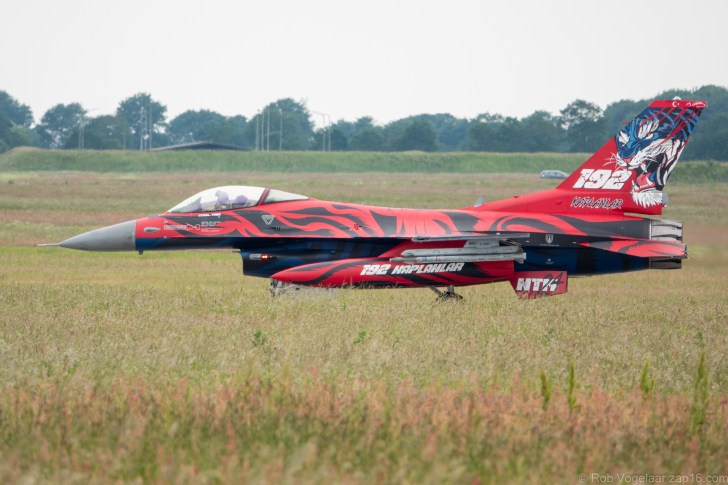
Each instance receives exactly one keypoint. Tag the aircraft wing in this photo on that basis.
(462, 249)
(485, 248)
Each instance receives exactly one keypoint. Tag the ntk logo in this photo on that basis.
(546, 285)
(602, 179)
(533, 284)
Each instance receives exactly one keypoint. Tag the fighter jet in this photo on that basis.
(594, 222)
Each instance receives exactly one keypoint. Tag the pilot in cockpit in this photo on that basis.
(223, 200)
(240, 201)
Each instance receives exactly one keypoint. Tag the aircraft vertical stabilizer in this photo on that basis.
(628, 173)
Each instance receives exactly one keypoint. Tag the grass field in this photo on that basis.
(172, 367)
(34, 159)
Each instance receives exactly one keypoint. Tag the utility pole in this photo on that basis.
(325, 131)
(280, 134)
(257, 132)
(267, 141)
(142, 125)
(151, 124)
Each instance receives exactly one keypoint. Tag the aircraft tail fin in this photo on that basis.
(628, 173)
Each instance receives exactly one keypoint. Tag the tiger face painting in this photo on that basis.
(650, 145)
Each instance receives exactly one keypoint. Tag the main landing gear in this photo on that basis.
(447, 295)
(279, 288)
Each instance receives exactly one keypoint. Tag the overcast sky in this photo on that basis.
(382, 58)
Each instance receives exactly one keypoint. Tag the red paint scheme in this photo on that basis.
(381, 273)
(591, 223)
(362, 223)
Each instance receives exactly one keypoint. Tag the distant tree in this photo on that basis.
(489, 118)
(451, 131)
(368, 138)
(145, 118)
(509, 135)
(5, 126)
(12, 135)
(363, 134)
(583, 122)
(59, 123)
(346, 128)
(20, 136)
(15, 112)
(104, 132)
(617, 114)
(495, 133)
(394, 131)
(264, 129)
(363, 123)
(481, 137)
(338, 140)
(540, 132)
(710, 142)
(342, 132)
(716, 96)
(203, 125)
(238, 126)
(335, 139)
(418, 135)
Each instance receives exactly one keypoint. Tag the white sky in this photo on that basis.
(382, 58)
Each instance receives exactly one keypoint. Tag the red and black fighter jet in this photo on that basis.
(592, 223)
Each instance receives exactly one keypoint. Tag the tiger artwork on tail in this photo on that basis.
(650, 145)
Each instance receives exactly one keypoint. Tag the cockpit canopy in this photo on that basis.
(232, 197)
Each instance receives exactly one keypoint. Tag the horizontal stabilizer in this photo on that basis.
(643, 248)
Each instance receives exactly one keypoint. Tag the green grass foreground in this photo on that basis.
(173, 368)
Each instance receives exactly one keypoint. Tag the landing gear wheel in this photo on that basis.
(447, 295)
(278, 288)
(274, 288)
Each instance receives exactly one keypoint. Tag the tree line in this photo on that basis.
(140, 123)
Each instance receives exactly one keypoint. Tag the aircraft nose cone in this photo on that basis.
(119, 237)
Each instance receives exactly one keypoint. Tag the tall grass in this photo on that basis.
(647, 382)
(171, 367)
(248, 426)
